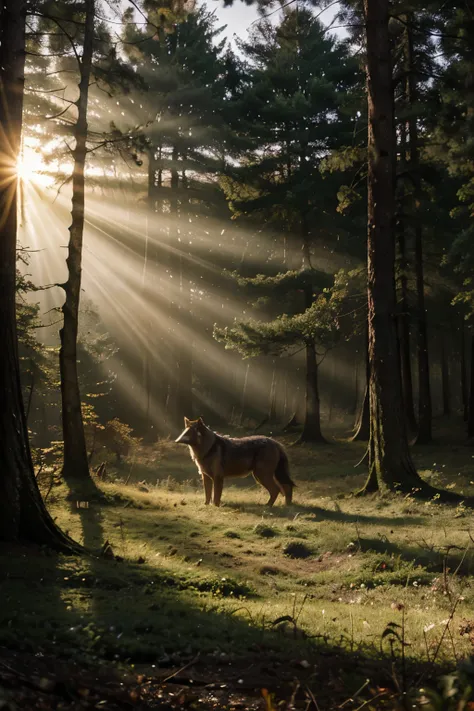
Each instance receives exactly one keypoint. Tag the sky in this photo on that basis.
(238, 17)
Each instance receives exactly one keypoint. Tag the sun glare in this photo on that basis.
(30, 167)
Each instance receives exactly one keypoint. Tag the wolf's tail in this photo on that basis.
(282, 477)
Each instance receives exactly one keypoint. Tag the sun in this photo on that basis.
(22, 170)
(30, 166)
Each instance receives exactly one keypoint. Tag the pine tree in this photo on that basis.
(76, 463)
(299, 104)
(316, 328)
(72, 34)
(415, 68)
(295, 78)
(453, 129)
(390, 465)
(186, 143)
(22, 512)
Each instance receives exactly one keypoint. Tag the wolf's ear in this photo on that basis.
(201, 422)
(187, 422)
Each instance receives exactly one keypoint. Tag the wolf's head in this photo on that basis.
(193, 432)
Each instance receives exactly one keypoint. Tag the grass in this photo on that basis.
(331, 571)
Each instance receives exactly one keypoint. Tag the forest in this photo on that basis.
(256, 243)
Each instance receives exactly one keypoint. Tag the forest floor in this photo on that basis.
(327, 604)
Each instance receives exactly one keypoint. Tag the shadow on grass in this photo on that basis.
(121, 611)
(36, 609)
(127, 607)
(132, 614)
(450, 559)
(91, 609)
(320, 513)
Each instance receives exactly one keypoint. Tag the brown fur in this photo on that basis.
(217, 457)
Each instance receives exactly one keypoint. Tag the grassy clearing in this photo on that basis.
(285, 583)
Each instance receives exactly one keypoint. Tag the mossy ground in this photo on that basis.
(193, 579)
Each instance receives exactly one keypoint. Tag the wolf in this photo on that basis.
(219, 456)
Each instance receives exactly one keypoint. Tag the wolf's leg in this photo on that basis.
(218, 486)
(207, 483)
(266, 480)
(273, 496)
(288, 492)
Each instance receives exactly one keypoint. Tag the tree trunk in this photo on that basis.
(243, 399)
(76, 464)
(390, 464)
(331, 390)
(23, 515)
(146, 385)
(184, 394)
(470, 421)
(464, 392)
(160, 355)
(312, 412)
(425, 434)
(445, 387)
(362, 425)
(312, 420)
(181, 389)
(146, 356)
(185, 351)
(424, 389)
(286, 398)
(272, 409)
(404, 335)
(355, 402)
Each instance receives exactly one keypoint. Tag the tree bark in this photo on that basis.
(146, 385)
(23, 515)
(312, 419)
(470, 420)
(181, 386)
(312, 412)
(146, 370)
(424, 389)
(185, 344)
(355, 402)
(390, 462)
(362, 425)
(404, 335)
(285, 395)
(76, 465)
(445, 386)
(272, 409)
(425, 409)
(464, 391)
(158, 262)
(243, 399)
